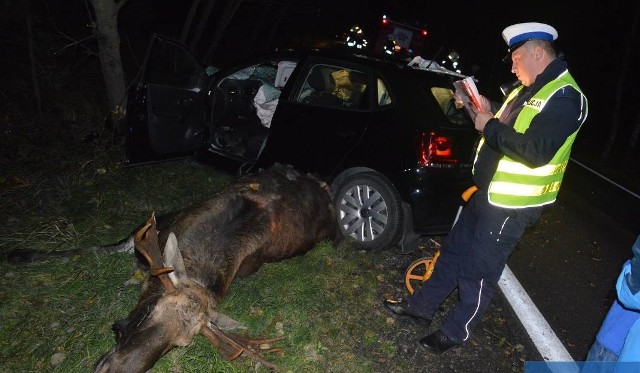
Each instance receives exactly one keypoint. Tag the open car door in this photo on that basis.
(165, 109)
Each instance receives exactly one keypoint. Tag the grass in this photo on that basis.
(58, 312)
(54, 309)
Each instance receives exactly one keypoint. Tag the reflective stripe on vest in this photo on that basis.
(515, 185)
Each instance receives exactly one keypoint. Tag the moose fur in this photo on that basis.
(273, 215)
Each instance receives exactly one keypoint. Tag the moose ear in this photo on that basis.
(119, 327)
(225, 322)
(173, 258)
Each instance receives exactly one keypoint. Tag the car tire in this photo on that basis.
(369, 211)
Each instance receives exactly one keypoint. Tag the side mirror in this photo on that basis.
(210, 70)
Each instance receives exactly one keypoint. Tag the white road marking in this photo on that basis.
(538, 328)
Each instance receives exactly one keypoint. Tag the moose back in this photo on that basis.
(269, 216)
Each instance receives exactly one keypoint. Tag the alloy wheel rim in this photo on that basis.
(363, 213)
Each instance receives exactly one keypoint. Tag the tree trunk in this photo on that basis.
(256, 31)
(617, 107)
(33, 62)
(622, 78)
(202, 23)
(189, 21)
(275, 24)
(106, 32)
(633, 139)
(227, 15)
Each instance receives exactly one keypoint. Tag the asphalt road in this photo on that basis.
(569, 261)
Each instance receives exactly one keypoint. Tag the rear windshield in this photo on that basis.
(442, 92)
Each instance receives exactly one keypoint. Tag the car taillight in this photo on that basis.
(435, 151)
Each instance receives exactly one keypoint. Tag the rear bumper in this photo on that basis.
(434, 195)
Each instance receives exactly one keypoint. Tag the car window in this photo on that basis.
(452, 110)
(384, 98)
(170, 66)
(334, 86)
(255, 90)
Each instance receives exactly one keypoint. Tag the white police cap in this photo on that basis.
(520, 33)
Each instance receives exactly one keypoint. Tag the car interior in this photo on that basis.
(333, 86)
(243, 106)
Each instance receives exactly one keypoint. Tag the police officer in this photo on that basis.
(519, 166)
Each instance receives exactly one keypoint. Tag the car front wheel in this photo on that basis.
(369, 211)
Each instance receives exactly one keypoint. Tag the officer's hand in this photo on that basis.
(480, 119)
(485, 104)
(458, 100)
(481, 116)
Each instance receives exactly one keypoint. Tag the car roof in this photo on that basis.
(417, 64)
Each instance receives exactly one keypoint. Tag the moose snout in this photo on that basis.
(117, 362)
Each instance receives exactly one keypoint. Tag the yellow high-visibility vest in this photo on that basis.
(515, 185)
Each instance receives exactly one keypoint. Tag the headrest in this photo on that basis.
(316, 79)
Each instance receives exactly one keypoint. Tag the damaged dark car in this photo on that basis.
(389, 137)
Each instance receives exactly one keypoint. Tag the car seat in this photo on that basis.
(323, 86)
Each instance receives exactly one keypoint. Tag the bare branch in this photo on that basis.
(120, 5)
(76, 42)
(55, 27)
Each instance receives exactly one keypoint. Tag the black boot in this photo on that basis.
(401, 308)
(438, 342)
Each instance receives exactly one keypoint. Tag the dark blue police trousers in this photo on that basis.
(472, 259)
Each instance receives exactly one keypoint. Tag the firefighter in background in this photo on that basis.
(356, 38)
(519, 166)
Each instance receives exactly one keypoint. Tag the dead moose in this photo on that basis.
(269, 216)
